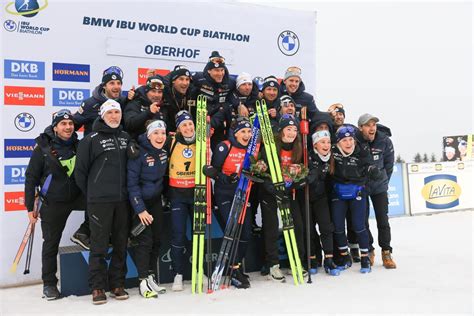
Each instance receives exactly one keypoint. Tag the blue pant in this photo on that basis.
(357, 208)
(181, 209)
(224, 204)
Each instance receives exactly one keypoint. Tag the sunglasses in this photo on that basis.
(155, 84)
(113, 70)
(294, 69)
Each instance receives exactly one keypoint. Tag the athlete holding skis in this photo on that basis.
(225, 169)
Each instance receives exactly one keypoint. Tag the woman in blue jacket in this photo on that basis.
(145, 185)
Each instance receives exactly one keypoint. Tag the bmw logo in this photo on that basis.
(288, 43)
(187, 153)
(24, 122)
(9, 25)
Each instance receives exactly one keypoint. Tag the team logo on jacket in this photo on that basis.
(441, 191)
(288, 43)
(24, 122)
(187, 153)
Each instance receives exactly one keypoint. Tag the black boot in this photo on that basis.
(330, 267)
(345, 261)
(51, 292)
(81, 239)
(355, 254)
(239, 280)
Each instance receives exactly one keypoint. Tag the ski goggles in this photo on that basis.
(217, 60)
(294, 70)
(155, 84)
(345, 131)
(113, 70)
(60, 115)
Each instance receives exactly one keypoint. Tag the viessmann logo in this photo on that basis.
(34, 96)
(14, 201)
(441, 191)
(71, 72)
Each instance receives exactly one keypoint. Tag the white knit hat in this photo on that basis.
(243, 78)
(109, 105)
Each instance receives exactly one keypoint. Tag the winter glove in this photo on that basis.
(281, 196)
(374, 173)
(210, 171)
(133, 150)
(234, 178)
(299, 184)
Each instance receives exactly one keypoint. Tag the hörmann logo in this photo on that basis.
(69, 97)
(441, 191)
(15, 95)
(71, 72)
(23, 69)
(18, 148)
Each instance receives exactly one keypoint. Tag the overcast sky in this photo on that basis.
(408, 63)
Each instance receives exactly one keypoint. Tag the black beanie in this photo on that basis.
(111, 76)
(287, 120)
(270, 81)
(179, 71)
(215, 61)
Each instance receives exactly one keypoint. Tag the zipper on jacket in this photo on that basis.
(100, 170)
(120, 165)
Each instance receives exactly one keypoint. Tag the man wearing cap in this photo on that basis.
(338, 114)
(101, 174)
(55, 154)
(243, 98)
(215, 84)
(146, 105)
(177, 94)
(383, 155)
(109, 88)
(293, 86)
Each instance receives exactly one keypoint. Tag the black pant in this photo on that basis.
(53, 220)
(148, 249)
(380, 203)
(321, 215)
(108, 219)
(315, 241)
(84, 228)
(270, 227)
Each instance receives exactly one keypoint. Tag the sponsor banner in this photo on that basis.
(15, 174)
(14, 201)
(24, 122)
(396, 196)
(34, 96)
(71, 72)
(23, 69)
(69, 97)
(169, 51)
(438, 187)
(143, 74)
(18, 148)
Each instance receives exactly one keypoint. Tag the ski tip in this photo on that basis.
(13, 268)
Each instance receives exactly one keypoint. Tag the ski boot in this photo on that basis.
(313, 269)
(177, 283)
(239, 279)
(345, 261)
(355, 254)
(330, 267)
(145, 289)
(365, 264)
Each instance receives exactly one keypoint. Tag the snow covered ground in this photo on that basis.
(434, 256)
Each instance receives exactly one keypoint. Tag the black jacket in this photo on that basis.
(383, 155)
(46, 159)
(89, 109)
(354, 168)
(175, 102)
(318, 173)
(235, 99)
(302, 99)
(101, 165)
(138, 112)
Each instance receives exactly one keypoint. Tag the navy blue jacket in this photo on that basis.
(175, 102)
(318, 173)
(235, 99)
(383, 155)
(301, 98)
(89, 109)
(145, 174)
(354, 168)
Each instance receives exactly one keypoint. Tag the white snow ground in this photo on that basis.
(434, 275)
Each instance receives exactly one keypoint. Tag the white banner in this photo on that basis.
(440, 187)
(54, 52)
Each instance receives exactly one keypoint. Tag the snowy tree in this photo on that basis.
(417, 158)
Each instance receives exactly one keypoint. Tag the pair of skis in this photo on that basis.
(277, 179)
(202, 197)
(233, 229)
(28, 238)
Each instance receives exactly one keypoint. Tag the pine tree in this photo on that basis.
(425, 157)
(417, 158)
(399, 159)
(433, 158)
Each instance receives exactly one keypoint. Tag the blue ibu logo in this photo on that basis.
(187, 153)
(23, 69)
(26, 8)
(69, 97)
(24, 122)
(288, 43)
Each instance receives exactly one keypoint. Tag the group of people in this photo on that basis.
(139, 150)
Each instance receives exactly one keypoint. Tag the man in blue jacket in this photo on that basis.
(383, 154)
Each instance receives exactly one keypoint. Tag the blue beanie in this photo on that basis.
(182, 116)
(345, 130)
